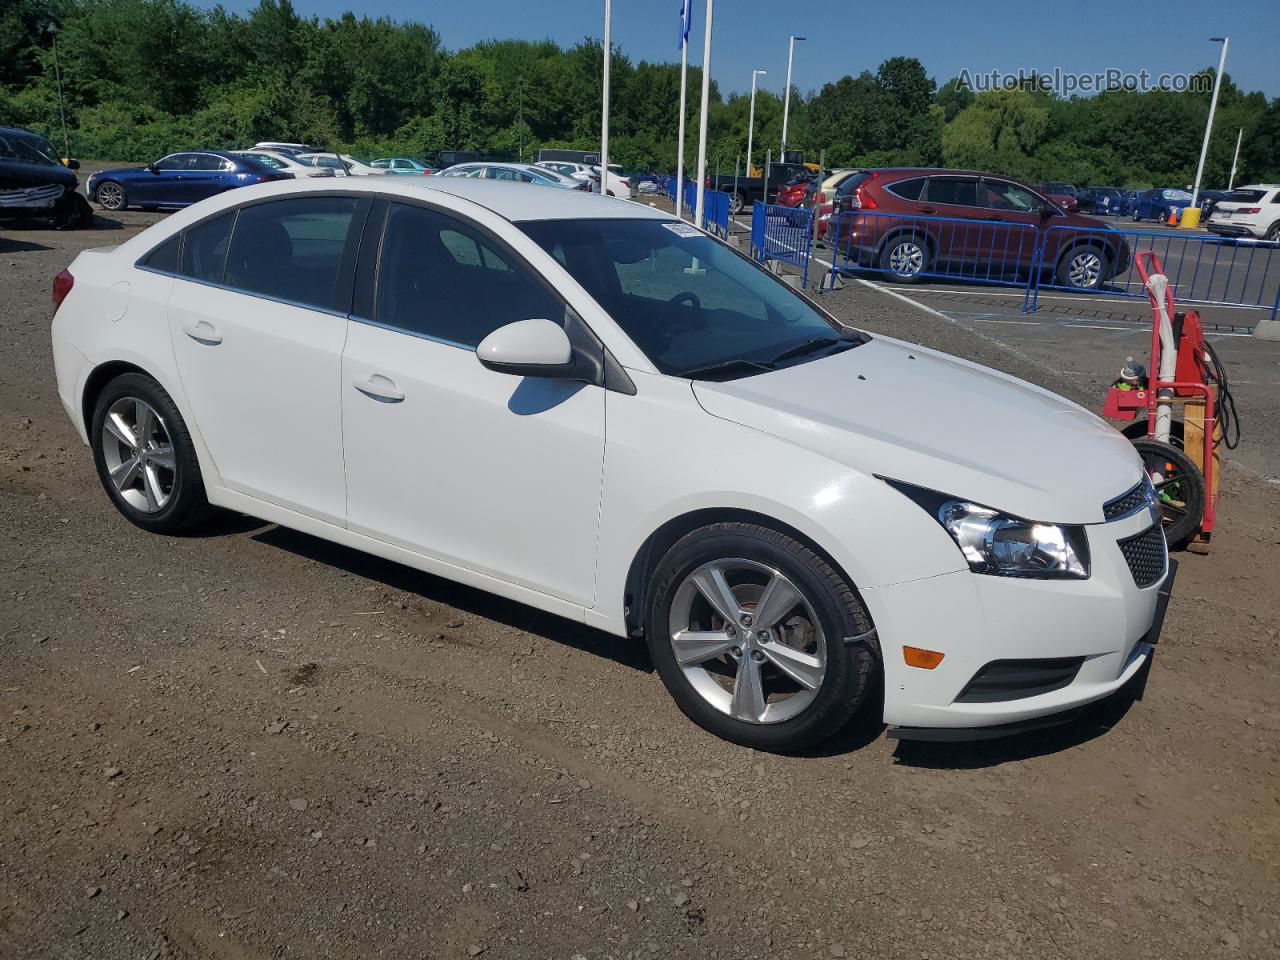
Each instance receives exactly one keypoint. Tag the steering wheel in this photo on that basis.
(687, 295)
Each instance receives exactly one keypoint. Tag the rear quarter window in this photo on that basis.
(204, 253)
(907, 189)
(164, 258)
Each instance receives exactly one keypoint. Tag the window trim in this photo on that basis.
(346, 265)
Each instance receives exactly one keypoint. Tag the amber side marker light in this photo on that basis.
(924, 659)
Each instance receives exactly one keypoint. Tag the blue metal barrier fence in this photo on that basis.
(1202, 269)
(782, 233)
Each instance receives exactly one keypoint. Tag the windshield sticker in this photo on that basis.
(683, 229)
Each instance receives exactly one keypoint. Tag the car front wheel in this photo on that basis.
(111, 196)
(144, 456)
(759, 640)
(905, 259)
(1082, 268)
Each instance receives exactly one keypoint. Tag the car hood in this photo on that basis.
(15, 175)
(903, 412)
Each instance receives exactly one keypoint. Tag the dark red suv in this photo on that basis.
(912, 223)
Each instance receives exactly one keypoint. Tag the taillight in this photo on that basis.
(62, 285)
(861, 200)
(1248, 209)
(626, 183)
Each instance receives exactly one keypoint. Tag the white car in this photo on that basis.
(595, 409)
(286, 163)
(347, 165)
(1249, 211)
(619, 186)
(514, 173)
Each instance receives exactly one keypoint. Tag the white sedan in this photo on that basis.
(597, 410)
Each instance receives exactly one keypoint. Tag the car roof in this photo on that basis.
(1257, 186)
(512, 201)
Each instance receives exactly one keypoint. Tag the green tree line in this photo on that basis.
(141, 78)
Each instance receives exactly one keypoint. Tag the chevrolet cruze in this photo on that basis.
(588, 406)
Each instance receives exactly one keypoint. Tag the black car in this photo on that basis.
(35, 184)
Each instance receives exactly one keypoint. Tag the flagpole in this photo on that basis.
(685, 13)
(702, 119)
(604, 117)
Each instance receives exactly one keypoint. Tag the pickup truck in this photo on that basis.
(744, 191)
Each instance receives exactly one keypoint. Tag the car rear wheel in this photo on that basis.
(111, 196)
(144, 456)
(1273, 234)
(753, 635)
(1082, 268)
(905, 259)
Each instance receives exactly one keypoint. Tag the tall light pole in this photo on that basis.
(1213, 105)
(62, 110)
(786, 101)
(686, 14)
(520, 114)
(1235, 159)
(604, 119)
(751, 119)
(702, 119)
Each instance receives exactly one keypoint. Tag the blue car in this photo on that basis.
(177, 180)
(1157, 204)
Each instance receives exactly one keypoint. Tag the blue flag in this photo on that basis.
(686, 15)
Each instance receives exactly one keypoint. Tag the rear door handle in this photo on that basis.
(380, 388)
(202, 331)
(928, 209)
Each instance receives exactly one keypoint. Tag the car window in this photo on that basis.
(270, 161)
(953, 191)
(164, 257)
(502, 173)
(441, 278)
(1002, 195)
(207, 161)
(684, 299)
(907, 189)
(292, 249)
(1243, 196)
(204, 251)
(175, 161)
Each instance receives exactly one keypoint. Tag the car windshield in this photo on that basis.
(29, 148)
(695, 307)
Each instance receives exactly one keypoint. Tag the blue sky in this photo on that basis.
(1086, 37)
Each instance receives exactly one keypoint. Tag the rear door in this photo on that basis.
(258, 318)
(206, 176)
(958, 240)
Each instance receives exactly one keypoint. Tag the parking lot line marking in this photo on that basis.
(1098, 326)
(1023, 323)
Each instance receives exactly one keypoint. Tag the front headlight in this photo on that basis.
(1002, 545)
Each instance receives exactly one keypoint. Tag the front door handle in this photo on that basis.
(928, 209)
(380, 388)
(202, 331)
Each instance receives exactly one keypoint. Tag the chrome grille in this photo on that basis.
(1146, 555)
(1131, 501)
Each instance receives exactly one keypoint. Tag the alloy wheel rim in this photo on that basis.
(109, 196)
(139, 455)
(748, 641)
(1085, 270)
(906, 259)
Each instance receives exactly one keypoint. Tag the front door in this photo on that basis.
(495, 473)
(258, 320)
(1014, 214)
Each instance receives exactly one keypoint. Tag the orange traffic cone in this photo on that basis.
(1173, 217)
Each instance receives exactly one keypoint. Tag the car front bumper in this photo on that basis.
(1104, 627)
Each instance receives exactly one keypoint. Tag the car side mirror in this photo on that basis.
(1046, 211)
(528, 348)
(152, 168)
(73, 163)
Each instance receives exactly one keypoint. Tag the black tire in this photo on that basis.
(73, 212)
(1073, 262)
(115, 200)
(1180, 492)
(1137, 430)
(186, 504)
(895, 249)
(850, 668)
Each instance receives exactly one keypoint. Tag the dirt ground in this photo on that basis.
(249, 743)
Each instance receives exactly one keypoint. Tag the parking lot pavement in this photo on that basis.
(247, 742)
